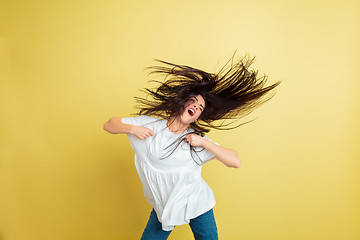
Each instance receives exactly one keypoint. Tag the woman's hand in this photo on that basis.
(194, 140)
(141, 132)
(227, 156)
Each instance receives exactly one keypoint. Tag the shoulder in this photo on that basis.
(149, 118)
(141, 120)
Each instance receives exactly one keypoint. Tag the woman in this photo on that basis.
(170, 146)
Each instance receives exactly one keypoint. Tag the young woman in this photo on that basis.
(170, 146)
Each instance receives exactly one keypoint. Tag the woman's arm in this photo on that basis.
(115, 126)
(227, 156)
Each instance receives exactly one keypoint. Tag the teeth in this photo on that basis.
(192, 112)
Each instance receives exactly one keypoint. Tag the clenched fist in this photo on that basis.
(142, 132)
(194, 140)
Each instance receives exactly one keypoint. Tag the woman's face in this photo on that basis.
(193, 109)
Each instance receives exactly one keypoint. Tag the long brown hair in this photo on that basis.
(232, 93)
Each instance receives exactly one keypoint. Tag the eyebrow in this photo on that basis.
(200, 103)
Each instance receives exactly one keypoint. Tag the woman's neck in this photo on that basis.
(176, 126)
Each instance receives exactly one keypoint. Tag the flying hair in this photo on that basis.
(232, 93)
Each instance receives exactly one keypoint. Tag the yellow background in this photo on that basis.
(66, 67)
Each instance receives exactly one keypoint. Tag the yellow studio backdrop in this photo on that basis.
(66, 67)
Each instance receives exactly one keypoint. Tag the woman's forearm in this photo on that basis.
(115, 126)
(227, 156)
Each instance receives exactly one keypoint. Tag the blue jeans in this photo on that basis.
(203, 227)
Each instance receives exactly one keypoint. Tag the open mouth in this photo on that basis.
(191, 112)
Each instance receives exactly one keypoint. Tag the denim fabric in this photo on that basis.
(203, 228)
(153, 229)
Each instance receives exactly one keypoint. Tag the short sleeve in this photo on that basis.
(204, 154)
(139, 121)
(145, 121)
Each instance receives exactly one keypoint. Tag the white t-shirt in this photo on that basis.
(173, 184)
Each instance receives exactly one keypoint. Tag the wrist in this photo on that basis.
(131, 129)
(205, 143)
